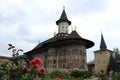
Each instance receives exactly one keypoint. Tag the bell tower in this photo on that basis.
(63, 25)
(102, 58)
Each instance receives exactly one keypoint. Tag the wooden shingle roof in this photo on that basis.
(63, 18)
(72, 36)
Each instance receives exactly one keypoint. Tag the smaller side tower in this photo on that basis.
(102, 58)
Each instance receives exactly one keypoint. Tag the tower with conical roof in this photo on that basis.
(63, 25)
(102, 58)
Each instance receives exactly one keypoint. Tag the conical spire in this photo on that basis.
(63, 18)
(102, 44)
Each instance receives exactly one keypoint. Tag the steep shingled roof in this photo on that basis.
(74, 34)
(102, 44)
(63, 17)
(45, 42)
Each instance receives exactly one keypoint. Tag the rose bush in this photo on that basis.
(15, 70)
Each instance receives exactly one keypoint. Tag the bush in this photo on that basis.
(81, 74)
(55, 74)
(14, 70)
(85, 74)
(103, 77)
(65, 75)
(116, 76)
(75, 74)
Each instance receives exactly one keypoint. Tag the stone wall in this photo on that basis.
(67, 57)
(101, 61)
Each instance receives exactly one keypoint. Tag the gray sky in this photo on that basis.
(25, 23)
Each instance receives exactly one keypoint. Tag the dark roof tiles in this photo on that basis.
(74, 34)
(102, 44)
(63, 18)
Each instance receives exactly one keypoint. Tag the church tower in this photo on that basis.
(102, 58)
(63, 25)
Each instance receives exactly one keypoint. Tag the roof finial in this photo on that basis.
(74, 28)
(101, 31)
(63, 7)
(54, 34)
(71, 28)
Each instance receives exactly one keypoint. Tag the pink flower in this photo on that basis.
(42, 70)
(38, 60)
(32, 62)
(36, 66)
(58, 79)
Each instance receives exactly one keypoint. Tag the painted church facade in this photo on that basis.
(63, 51)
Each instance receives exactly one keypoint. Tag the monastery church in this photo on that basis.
(64, 50)
(68, 50)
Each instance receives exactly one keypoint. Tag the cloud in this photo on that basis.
(26, 22)
(85, 7)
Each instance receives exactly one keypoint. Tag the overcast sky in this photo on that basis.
(25, 23)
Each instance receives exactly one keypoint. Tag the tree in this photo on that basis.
(112, 66)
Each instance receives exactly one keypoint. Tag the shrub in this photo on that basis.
(65, 75)
(116, 76)
(14, 70)
(85, 74)
(81, 74)
(55, 74)
(75, 74)
(103, 77)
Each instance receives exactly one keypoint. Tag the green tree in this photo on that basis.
(112, 66)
